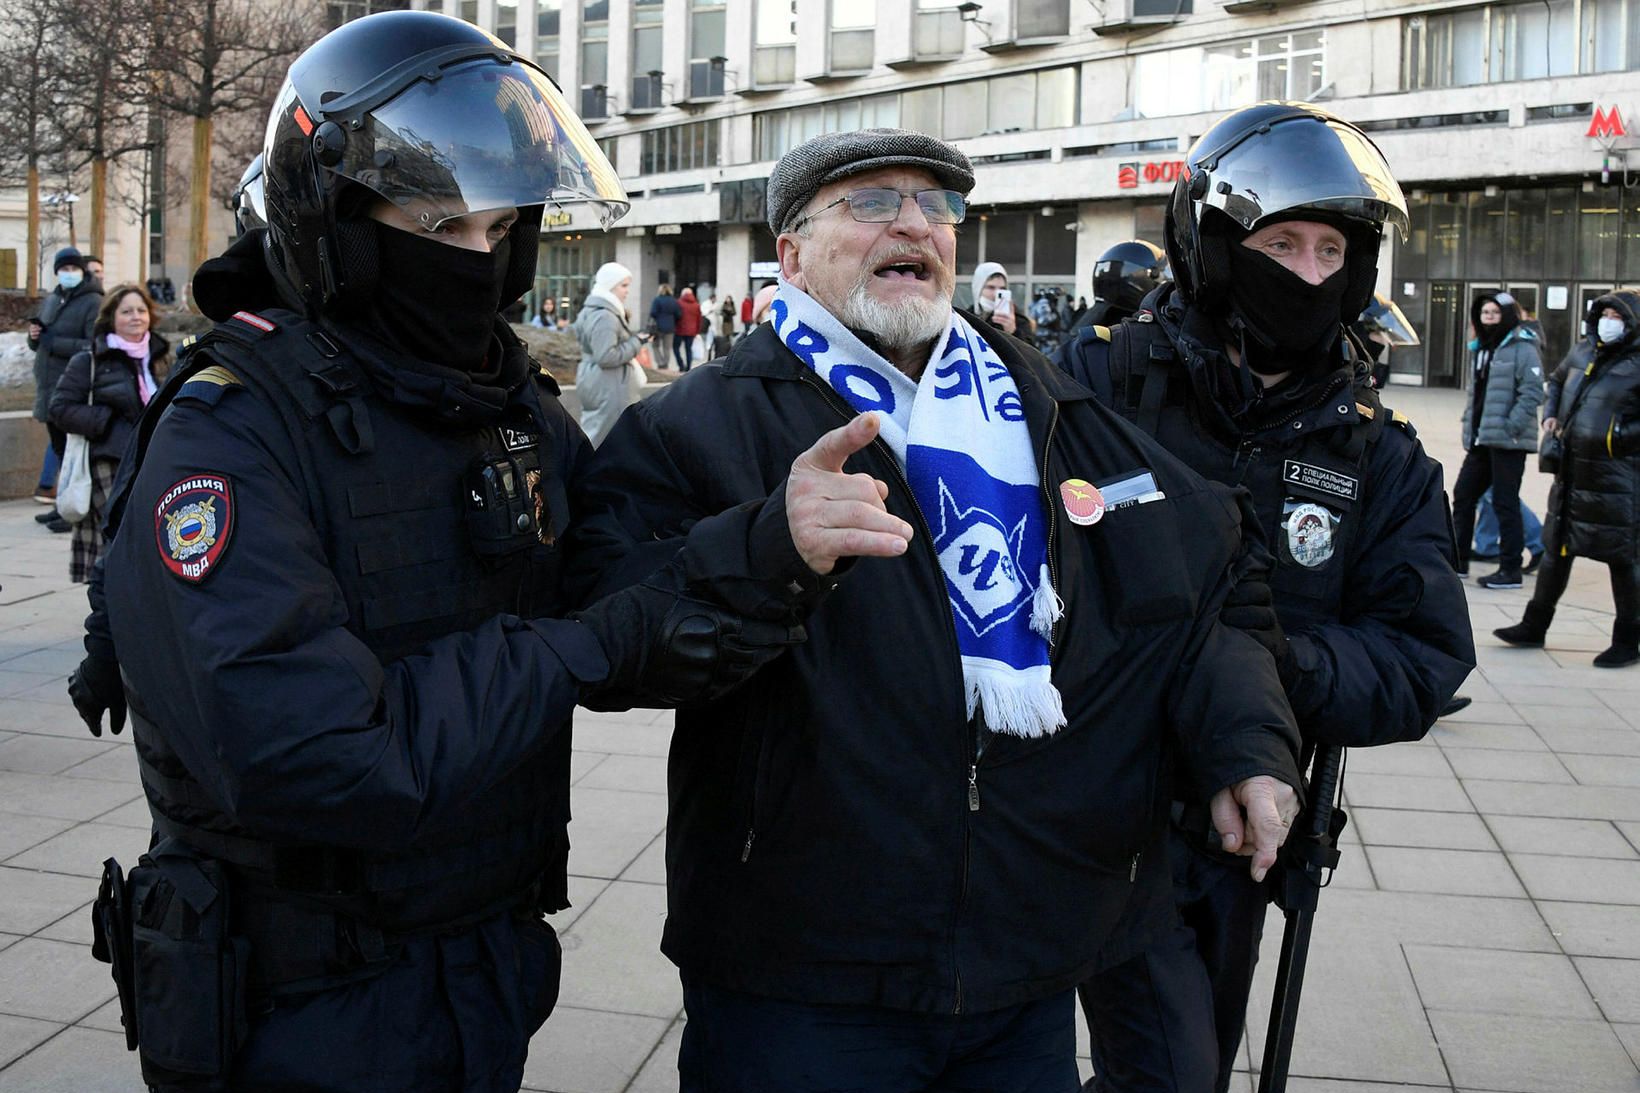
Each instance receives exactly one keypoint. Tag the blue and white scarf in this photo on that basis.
(960, 436)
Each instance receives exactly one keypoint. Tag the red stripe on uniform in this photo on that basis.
(255, 320)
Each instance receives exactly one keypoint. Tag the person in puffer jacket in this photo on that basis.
(1596, 494)
(1500, 425)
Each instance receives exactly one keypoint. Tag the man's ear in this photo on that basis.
(788, 248)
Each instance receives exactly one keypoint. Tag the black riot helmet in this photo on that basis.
(434, 115)
(249, 206)
(1279, 161)
(1125, 274)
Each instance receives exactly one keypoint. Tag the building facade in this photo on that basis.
(1077, 113)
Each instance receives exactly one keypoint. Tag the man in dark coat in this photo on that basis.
(1241, 369)
(62, 329)
(893, 853)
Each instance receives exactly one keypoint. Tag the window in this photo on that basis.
(938, 31)
(852, 36)
(546, 36)
(1042, 18)
(469, 11)
(595, 59)
(647, 55)
(774, 58)
(506, 21)
(1527, 41)
(1229, 74)
(1038, 251)
(680, 148)
(1000, 104)
(707, 33)
(344, 11)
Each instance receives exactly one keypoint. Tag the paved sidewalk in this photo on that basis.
(1483, 932)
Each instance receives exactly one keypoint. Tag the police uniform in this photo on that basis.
(1353, 511)
(317, 596)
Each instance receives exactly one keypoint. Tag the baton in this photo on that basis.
(1304, 861)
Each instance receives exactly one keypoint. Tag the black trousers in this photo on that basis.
(1498, 469)
(1557, 571)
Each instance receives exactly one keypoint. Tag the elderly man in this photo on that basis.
(894, 851)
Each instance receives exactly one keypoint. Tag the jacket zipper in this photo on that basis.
(846, 413)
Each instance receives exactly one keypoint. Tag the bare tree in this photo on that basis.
(216, 58)
(29, 94)
(107, 44)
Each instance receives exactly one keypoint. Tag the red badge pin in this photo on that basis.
(192, 523)
(1084, 504)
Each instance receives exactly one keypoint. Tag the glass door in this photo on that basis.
(1448, 326)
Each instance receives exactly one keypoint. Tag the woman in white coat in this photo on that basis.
(608, 379)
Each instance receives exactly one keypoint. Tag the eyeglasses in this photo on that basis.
(881, 205)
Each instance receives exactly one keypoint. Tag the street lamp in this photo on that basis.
(60, 199)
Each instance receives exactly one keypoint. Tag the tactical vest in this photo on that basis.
(388, 496)
(1308, 482)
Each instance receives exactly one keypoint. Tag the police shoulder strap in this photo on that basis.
(1145, 355)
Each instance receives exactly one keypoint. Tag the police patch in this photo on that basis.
(192, 523)
(1311, 533)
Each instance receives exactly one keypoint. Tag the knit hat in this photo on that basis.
(802, 171)
(608, 276)
(68, 256)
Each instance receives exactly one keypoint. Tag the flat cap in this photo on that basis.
(814, 163)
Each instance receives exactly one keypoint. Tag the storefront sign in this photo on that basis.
(1130, 175)
(764, 269)
(668, 229)
(559, 219)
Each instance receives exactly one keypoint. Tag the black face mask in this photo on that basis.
(437, 302)
(1293, 321)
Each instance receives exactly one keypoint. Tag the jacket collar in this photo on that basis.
(762, 355)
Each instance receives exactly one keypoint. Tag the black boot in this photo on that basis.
(1530, 630)
(1503, 578)
(1625, 647)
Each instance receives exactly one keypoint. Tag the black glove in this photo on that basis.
(95, 687)
(1250, 608)
(670, 648)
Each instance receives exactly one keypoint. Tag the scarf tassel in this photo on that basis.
(1046, 606)
(1026, 708)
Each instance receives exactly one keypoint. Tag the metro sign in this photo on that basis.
(1130, 175)
(1607, 123)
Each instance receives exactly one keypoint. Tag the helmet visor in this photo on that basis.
(481, 136)
(1305, 163)
(1389, 320)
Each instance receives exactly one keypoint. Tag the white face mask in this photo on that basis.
(70, 278)
(1608, 330)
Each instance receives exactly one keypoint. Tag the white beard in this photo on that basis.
(905, 325)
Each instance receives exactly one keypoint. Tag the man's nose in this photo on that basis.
(912, 220)
(1309, 266)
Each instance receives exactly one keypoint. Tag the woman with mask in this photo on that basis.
(101, 396)
(1500, 426)
(607, 380)
(60, 330)
(1596, 494)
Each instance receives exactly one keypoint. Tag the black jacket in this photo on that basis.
(1594, 509)
(833, 837)
(66, 319)
(1379, 627)
(116, 403)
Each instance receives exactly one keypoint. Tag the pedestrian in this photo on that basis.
(688, 329)
(101, 396)
(664, 313)
(994, 302)
(746, 318)
(893, 853)
(60, 330)
(1500, 425)
(545, 317)
(608, 378)
(336, 603)
(1596, 494)
(94, 269)
(725, 337)
(1241, 368)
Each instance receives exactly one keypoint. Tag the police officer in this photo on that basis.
(1122, 278)
(332, 591)
(1242, 369)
